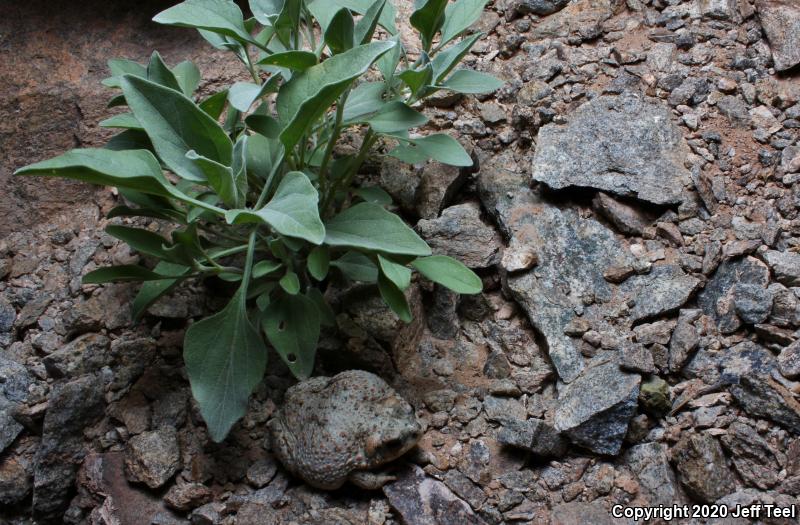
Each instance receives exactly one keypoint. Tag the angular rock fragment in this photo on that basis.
(14, 383)
(460, 233)
(650, 463)
(738, 292)
(594, 410)
(664, 289)
(153, 457)
(540, 7)
(781, 22)
(72, 407)
(623, 145)
(626, 218)
(719, 9)
(789, 361)
(421, 500)
(785, 266)
(752, 456)
(534, 435)
(702, 467)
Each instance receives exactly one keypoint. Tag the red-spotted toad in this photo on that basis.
(333, 429)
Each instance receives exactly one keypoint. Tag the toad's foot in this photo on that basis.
(370, 480)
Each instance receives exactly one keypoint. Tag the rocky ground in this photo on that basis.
(634, 218)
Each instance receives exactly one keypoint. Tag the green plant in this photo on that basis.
(261, 199)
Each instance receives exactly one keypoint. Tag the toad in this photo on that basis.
(334, 429)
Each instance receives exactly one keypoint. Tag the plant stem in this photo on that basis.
(337, 131)
(268, 183)
(344, 182)
(248, 263)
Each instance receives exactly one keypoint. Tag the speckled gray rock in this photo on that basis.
(781, 22)
(650, 464)
(14, 383)
(540, 7)
(664, 289)
(333, 429)
(534, 435)
(702, 467)
(461, 234)
(153, 457)
(594, 410)
(421, 500)
(737, 292)
(752, 456)
(789, 361)
(623, 145)
(719, 9)
(785, 266)
(72, 407)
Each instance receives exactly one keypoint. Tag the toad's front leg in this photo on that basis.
(370, 480)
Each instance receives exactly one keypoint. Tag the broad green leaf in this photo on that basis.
(120, 67)
(340, 33)
(292, 325)
(295, 60)
(440, 146)
(468, 81)
(364, 100)
(396, 116)
(357, 267)
(428, 19)
(123, 121)
(136, 170)
(225, 360)
(262, 154)
(417, 79)
(124, 273)
(369, 226)
(323, 11)
(397, 273)
(241, 95)
(307, 96)
(290, 283)
(459, 16)
(318, 262)
(152, 290)
(220, 178)
(374, 194)
(447, 59)
(365, 27)
(176, 125)
(266, 11)
(394, 298)
(143, 241)
(130, 139)
(188, 76)
(388, 62)
(449, 273)
(239, 169)
(160, 73)
(218, 16)
(262, 268)
(225, 43)
(215, 104)
(293, 210)
(264, 125)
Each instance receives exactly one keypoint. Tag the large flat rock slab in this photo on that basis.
(623, 145)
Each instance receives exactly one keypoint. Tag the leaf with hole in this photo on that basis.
(292, 326)
(225, 360)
